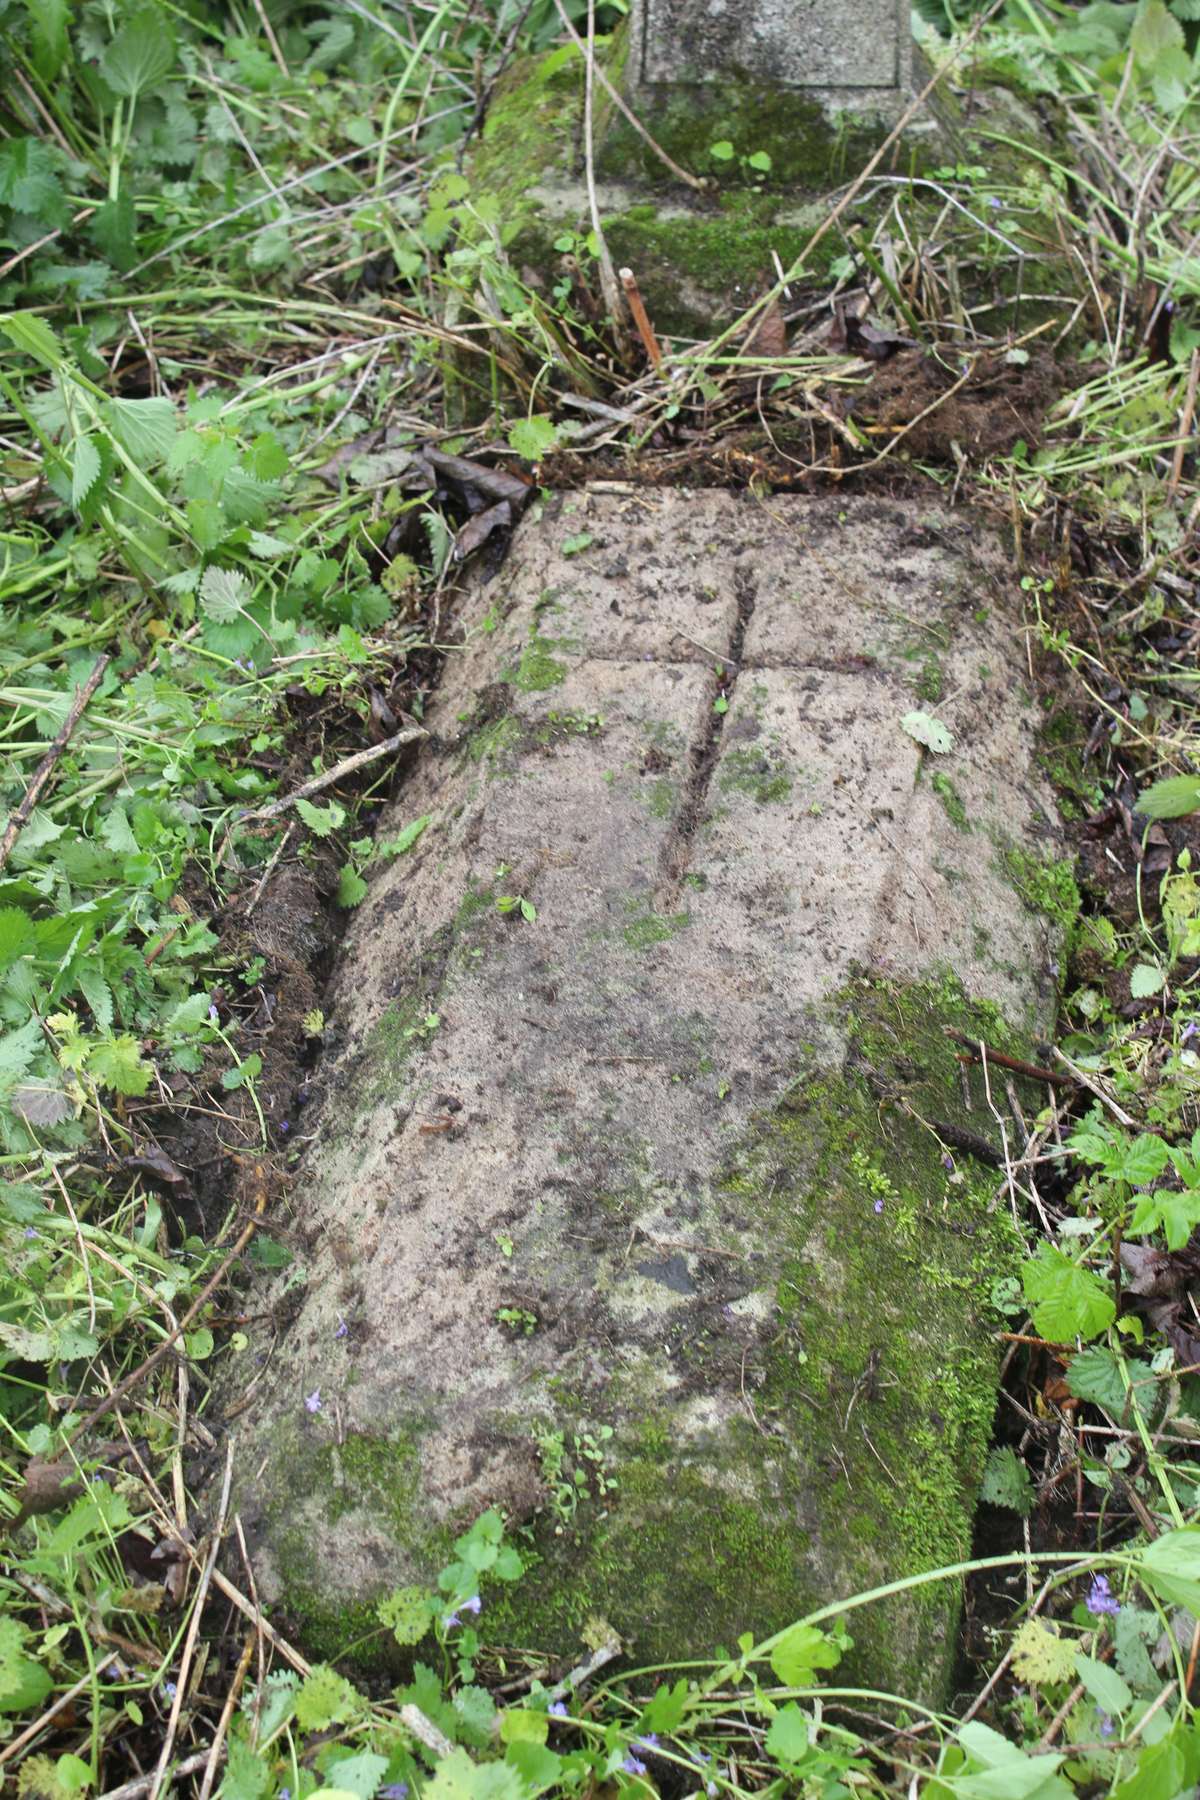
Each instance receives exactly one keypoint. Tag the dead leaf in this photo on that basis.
(497, 484)
(157, 1168)
(476, 531)
(768, 335)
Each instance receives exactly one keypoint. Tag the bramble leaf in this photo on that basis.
(1065, 1300)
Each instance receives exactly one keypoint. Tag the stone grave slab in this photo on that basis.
(677, 1158)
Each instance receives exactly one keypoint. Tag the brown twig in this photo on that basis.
(276, 52)
(1034, 1071)
(641, 317)
(45, 768)
(411, 734)
(1185, 425)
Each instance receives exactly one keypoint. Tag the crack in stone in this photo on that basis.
(703, 753)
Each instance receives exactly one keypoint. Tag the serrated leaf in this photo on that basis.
(1095, 1375)
(223, 594)
(1154, 31)
(25, 331)
(1006, 1481)
(787, 1740)
(41, 1104)
(140, 55)
(534, 437)
(326, 1699)
(322, 819)
(246, 1774)
(1041, 1656)
(17, 1050)
(48, 32)
(928, 731)
(145, 429)
(407, 1614)
(351, 888)
(1066, 1301)
(85, 469)
(116, 1062)
(29, 182)
(17, 936)
(405, 839)
(1172, 798)
(112, 228)
(1146, 979)
(477, 1715)
(358, 1775)
(458, 1778)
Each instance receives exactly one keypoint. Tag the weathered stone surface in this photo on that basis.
(672, 1156)
(829, 45)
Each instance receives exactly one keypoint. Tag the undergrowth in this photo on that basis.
(241, 254)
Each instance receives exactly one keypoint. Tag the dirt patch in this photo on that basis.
(980, 406)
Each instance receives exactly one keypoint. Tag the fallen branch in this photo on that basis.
(411, 734)
(45, 768)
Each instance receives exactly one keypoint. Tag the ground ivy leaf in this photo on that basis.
(458, 1778)
(928, 731)
(787, 1740)
(800, 1652)
(145, 429)
(1006, 1481)
(1041, 1656)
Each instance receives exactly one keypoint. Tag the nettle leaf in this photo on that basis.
(1041, 1656)
(40, 1103)
(351, 888)
(459, 1778)
(25, 331)
(116, 1062)
(112, 229)
(29, 181)
(1154, 31)
(18, 1049)
(1095, 1375)
(48, 31)
(322, 819)
(224, 594)
(928, 731)
(326, 1699)
(405, 840)
(85, 469)
(145, 429)
(17, 936)
(358, 1775)
(1172, 798)
(1065, 1300)
(1145, 980)
(1006, 1481)
(140, 55)
(534, 437)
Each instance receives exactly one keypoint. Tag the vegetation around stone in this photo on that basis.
(257, 263)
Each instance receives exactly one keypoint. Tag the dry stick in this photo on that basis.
(235, 1688)
(141, 1784)
(276, 52)
(1185, 425)
(641, 317)
(693, 181)
(608, 279)
(1093, 1087)
(193, 1631)
(1034, 1070)
(411, 734)
(42, 773)
(39, 1725)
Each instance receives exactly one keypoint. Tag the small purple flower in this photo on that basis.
(1101, 1599)
(30, 1232)
(558, 1709)
(169, 1689)
(284, 1125)
(312, 1402)
(632, 1766)
(342, 1328)
(394, 1790)
(213, 1016)
(1106, 1725)
(450, 1620)
(649, 1742)
(948, 1163)
(1189, 1031)
(879, 1206)
(995, 203)
(473, 1605)
(285, 1793)
(710, 1787)
(704, 1755)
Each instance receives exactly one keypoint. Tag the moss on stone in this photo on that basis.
(951, 799)
(1047, 885)
(750, 772)
(654, 928)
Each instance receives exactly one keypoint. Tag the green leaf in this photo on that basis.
(223, 594)
(1040, 1655)
(18, 1050)
(666, 1711)
(1171, 1566)
(322, 819)
(722, 150)
(1065, 1300)
(48, 31)
(458, 1778)
(17, 937)
(787, 1740)
(351, 888)
(140, 55)
(249, 1069)
(800, 1652)
(326, 1699)
(1160, 1774)
(1105, 1686)
(111, 229)
(246, 1775)
(1172, 798)
(1154, 31)
(477, 1716)
(538, 1767)
(1146, 979)
(928, 731)
(358, 1775)
(534, 437)
(760, 160)
(145, 429)
(1144, 1159)
(571, 546)
(1095, 1375)
(407, 1614)
(1006, 1481)
(85, 469)
(519, 1725)
(1175, 1214)
(116, 1062)
(30, 184)
(25, 331)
